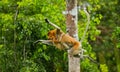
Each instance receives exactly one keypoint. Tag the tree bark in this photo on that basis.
(71, 24)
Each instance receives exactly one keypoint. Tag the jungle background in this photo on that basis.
(22, 23)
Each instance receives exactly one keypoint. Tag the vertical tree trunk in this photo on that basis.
(71, 24)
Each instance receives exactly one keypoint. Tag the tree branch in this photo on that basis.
(91, 59)
(48, 42)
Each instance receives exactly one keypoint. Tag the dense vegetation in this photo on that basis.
(22, 23)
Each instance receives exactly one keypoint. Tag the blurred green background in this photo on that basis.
(22, 23)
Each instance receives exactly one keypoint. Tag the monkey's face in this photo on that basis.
(52, 35)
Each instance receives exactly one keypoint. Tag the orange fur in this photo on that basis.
(63, 41)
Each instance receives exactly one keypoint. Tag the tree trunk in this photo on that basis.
(71, 24)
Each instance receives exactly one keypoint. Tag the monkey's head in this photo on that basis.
(54, 34)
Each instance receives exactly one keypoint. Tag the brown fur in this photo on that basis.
(64, 41)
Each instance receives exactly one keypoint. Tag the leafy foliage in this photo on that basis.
(19, 30)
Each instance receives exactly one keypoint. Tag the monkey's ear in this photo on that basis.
(58, 31)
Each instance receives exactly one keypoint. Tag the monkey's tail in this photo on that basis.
(54, 25)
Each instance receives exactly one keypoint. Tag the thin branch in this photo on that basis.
(16, 14)
(87, 24)
(15, 18)
(91, 59)
(54, 25)
(14, 22)
(48, 42)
